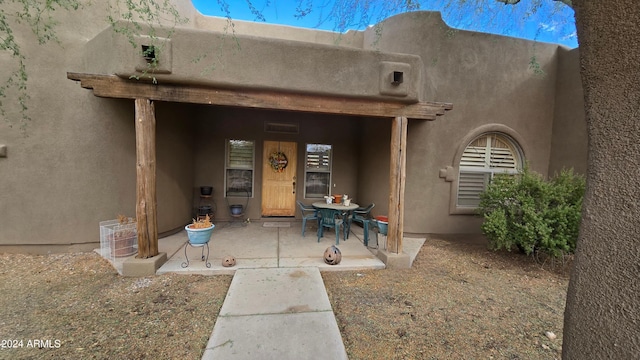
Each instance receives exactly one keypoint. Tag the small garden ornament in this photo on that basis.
(332, 255)
(229, 261)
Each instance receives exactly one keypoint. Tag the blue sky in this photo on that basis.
(542, 20)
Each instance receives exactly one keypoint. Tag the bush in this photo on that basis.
(528, 213)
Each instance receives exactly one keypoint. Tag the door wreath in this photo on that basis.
(278, 161)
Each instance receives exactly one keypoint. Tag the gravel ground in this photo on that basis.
(459, 301)
(80, 308)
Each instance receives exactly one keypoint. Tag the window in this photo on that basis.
(487, 155)
(239, 168)
(317, 177)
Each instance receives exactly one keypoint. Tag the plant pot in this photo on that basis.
(206, 190)
(337, 199)
(383, 224)
(123, 245)
(118, 238)
(236, 210)
(199, 236)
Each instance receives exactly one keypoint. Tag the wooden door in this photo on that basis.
(279, 161)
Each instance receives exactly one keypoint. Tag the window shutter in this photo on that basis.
(470, 185)
(474, 156)
(502, 156)
(484, 156)
(240, 154)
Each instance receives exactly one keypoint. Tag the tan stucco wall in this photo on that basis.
(175, 169)
(373, 182)
(208, 23)
(55, 174)
(238, 61)
(569, 142)
(76, 167)
(488, 80)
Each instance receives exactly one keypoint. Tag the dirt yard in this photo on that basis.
(459, 301)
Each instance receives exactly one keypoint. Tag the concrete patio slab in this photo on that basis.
(255, 246)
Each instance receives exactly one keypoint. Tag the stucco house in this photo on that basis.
(224, 103)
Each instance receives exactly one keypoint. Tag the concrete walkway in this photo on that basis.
(276, 313)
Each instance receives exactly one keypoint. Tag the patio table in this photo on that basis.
(345, 211)
(333, 206)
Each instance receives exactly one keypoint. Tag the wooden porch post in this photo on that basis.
(398, 166)
(146, 204)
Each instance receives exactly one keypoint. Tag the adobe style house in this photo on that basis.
(226, 105)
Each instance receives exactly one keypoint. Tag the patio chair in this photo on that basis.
(361, 215)
(329, 218)
(308, 213)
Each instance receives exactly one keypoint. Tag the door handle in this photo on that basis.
(294, 187)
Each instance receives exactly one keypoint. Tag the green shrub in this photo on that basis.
(526, 212)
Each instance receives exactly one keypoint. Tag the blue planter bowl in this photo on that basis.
(199, 236)
(236, 210)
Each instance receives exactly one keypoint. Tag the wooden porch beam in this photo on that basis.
(111, 86)
(146, 204)
(397, 177)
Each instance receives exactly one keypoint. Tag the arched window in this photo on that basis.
(485, 156)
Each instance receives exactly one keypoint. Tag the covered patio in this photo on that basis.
(144, 94)
(273, 244)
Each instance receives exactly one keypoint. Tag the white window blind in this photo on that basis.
(318, 157)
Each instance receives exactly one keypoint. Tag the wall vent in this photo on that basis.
(149, 53)
(281, 128)
(152, 55)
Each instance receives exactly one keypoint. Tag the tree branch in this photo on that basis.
(514, 2)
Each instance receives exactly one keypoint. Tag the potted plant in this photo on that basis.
(123, 236)
(383, 223)
(199, 232)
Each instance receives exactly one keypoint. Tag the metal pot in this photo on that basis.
(204, 210)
